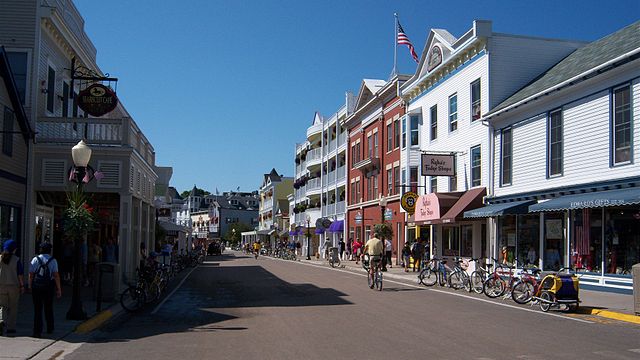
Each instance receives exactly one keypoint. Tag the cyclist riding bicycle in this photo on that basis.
(375, 249)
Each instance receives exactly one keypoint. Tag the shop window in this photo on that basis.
(528, 239)
(9, 223)
(553, 241)
(367, 233)
(586, 245)
(622, 239)
(507, 235)
(622, 126)
(450, 241)
(466, 240)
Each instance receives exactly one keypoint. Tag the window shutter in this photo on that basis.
(111, 172)
(54, 172)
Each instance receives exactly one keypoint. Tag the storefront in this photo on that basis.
(596, 232)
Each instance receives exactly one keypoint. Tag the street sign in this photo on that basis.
(408, 202)
(388, 214)
(358, 218)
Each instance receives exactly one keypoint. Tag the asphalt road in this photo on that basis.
(237, 307)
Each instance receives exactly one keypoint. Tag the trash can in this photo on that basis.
(636, 288)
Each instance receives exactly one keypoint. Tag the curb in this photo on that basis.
(94, 323)
(609, 314)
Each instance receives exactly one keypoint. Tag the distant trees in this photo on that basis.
(199, 192)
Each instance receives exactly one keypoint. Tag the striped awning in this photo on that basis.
(597, 199)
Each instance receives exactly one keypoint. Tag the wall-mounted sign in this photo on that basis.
(97, 100)
(428, 208)
(438, 165)
(358, 218)
(388, 214)
(408, 201)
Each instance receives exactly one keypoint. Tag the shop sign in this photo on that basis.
(358, 218)
(408, 201)
(97, 100)
(388, 214)
(438, 165)
(427, 208)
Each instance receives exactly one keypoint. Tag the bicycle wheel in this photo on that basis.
(522, 292)
(455, 280)
(428, 277)
(153, 292)
(379, 280)
(334, 262)
(494, 287)
(546, 299)
(133, 299)
(477, 279)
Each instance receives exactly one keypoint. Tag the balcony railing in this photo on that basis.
(96, 131)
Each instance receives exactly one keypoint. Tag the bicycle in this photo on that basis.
(496, 286)
(134, 297)
(334, 259)
(374, 278)
(479, 275)
(458, 278)
(434, 272)
(527, 286)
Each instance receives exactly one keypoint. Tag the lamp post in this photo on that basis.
(383, 207)
(308, 239)
(83, 173)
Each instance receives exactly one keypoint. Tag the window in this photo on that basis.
(51, 89)
(374, 194)
(75, 104)
(475, 100)
(7, 135)
(396, 179)
(434, 122)
(354, 191)
(414, 129)
(369, 186)
(18, 63)
(389, 181)
(453, 180)
(389, 137)
(358, 191)
(370, 146)
(555, 143)
(453, 112)
(396, 134)
(434, 184)
(404, 132)
(358, 152)
(413, 178)
(621, 125)
(375, 145)
(506, 154)
(476, 166)
(65, 99)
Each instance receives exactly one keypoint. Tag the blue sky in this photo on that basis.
(225, 89)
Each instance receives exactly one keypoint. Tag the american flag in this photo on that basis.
(403, 39)
(582, 234)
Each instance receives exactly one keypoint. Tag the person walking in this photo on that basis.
(388, 248)
(356, 249)
(342, 247)
(417, 252)
(11, 286)
(406, 255)
(44, 280)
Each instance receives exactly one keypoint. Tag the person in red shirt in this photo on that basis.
(357, 248)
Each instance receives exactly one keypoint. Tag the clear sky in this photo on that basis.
(224, 89)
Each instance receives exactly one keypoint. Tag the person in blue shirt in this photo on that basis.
(43, 291)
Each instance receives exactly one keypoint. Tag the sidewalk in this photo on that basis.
(22, 346)
(600, 303)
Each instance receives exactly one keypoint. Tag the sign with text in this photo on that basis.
(438, 165)
(358, 218)
(97, 100)
(427, 208)
(408, 201)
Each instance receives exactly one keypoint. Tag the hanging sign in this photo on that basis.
(438, 165)
(358, 218)
(97, 100)
(408, 201)
(388, 214)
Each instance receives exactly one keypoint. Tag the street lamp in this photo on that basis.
(383, 207)
(82, 174)
(308, 239)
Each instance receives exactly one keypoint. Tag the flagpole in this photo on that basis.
(395, 46)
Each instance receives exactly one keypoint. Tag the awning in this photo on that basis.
(319, 231)
(430, 207)
(471, 199)
(619, 197)
(264, 232)
(293, 232)
(509, 208)
(337, 226)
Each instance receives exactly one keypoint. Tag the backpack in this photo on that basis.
(416, 250)
(42, 277)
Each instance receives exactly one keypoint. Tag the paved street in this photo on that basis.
(237, 307)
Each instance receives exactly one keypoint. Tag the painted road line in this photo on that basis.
(172, 292)
(94, 322)
(610, 314)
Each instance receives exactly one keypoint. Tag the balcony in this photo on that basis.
(314, 129)
(367, 164)
(314, 156)
(118, 132)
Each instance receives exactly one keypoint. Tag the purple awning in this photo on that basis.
(337, 226)
(319, 231)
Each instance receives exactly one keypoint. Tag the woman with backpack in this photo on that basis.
(44, 280)
(11, 286)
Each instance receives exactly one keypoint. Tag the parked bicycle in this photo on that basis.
(458, 278)
(434, 272)
(480, 274)
(527, 286)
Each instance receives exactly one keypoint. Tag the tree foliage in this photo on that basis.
(199, 192)
(383, 231)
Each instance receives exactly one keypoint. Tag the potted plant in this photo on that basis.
(383, 231)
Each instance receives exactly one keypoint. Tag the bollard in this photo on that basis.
(636, 288)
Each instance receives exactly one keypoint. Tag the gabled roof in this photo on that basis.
(173, 193)
(271, 177)
(368, 89)
(587, 61)
(16, 104)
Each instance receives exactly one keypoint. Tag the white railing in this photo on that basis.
(313, 184)
(341, 173)
(340, 207)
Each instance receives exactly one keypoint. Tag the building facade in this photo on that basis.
(566, 185)
(446, 147)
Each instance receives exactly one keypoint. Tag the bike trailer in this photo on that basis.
(564, 286)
